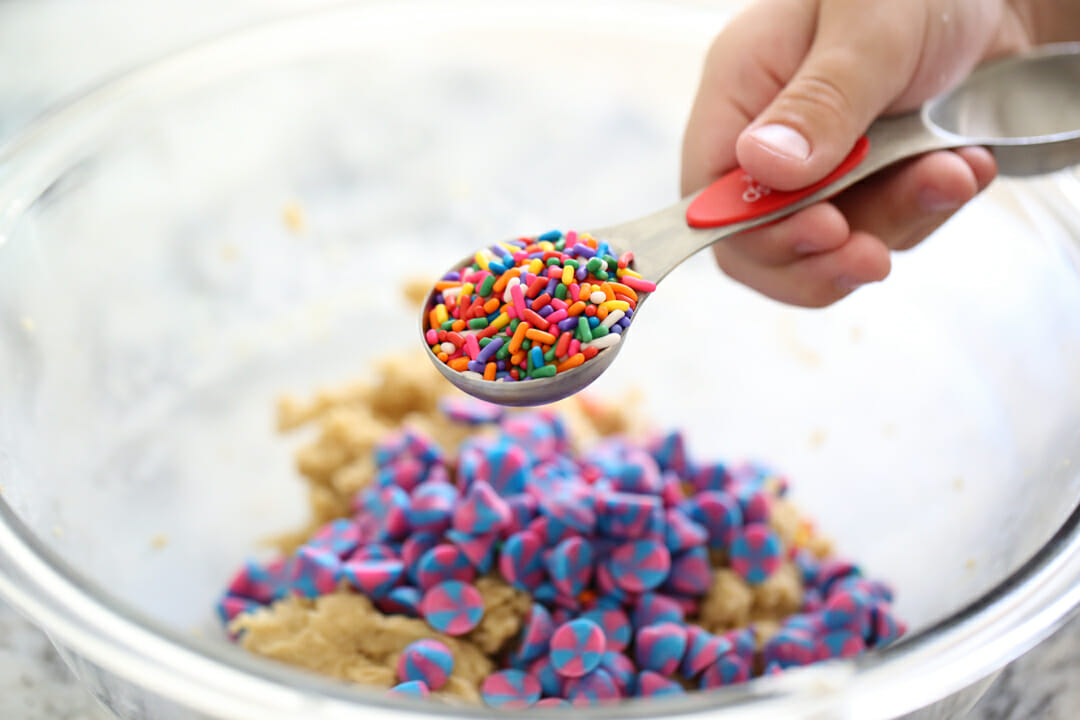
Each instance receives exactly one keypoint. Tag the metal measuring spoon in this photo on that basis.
(1026, 109)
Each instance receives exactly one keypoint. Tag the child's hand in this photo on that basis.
(787, 89)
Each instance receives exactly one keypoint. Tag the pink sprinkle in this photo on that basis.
(518, 296)
(638, 284)
(554, 272)
(557, 316)
(432, 336)
(558, 305)
(571, 239)
(472, 347)
(575, 346)
(575, 291)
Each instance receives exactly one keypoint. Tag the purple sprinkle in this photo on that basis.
(624, 323)
(618, 329)
(501, 252)
(476, 366)
(581, 274)
(545, 311)
(489, 350)
(500, 365)
(552, 284)
(629, 314)
(452, 275)
(568, 324)
(583, 250)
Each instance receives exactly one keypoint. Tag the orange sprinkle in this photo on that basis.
(433, 320)
(458, 326)
(601, 313)
(504, 279)
(576, 309)
(489, 371)
(460, 364)
(447, 284)
(624, 289)
(626, 299)
(518, 357)
(492, 305)
(571, 362)
(519, 337)
(539, 336)
(609, 293)
(443, 356)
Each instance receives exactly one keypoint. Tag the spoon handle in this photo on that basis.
(735, 203)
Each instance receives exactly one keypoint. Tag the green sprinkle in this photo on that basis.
(502, 353)
(485, 287)
(526, 345)
(513, 325)
(549, 356)
(572, 263)
(478, 323)
(528, 363)
(560, 291)
(601, 275)
(560, 244)
(584, 334)
(594, 265)
(599, 331)
(447, 325)
(611, 262)
(545, 371)
(484, 342)
(552, 261)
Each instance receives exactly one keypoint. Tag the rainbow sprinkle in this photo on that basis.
(533, 307)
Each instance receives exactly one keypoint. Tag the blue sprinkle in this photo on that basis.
(594, 321)
(549, 236)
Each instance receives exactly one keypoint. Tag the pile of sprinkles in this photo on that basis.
(533, 307)
(620, 547)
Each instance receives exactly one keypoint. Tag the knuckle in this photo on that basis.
(824, 97)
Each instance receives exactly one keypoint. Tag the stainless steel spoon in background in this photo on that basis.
(1026, 109)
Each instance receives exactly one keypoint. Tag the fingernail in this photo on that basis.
(848, 283)
(782, 140)
(932, 200)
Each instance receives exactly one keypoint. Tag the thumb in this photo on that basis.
(862, 57)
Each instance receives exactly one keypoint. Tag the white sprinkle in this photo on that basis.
(604, 342)
(451, 292)
(473, 375)
(507, 298)
(613, 317)
(597, 297)
(448, 348)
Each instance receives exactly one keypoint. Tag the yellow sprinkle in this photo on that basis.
(536, 265)
(546, 246)
(627, 271)
(567, 275)
(509, 248)
(612, 305)
(481, 259)
(467, 289)
(440, 313)
(500, 322)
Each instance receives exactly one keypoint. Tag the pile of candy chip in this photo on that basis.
(521, 570)
(533, 307)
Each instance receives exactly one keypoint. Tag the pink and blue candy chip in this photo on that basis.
(682, 533)
(551, 702)
(413, 549)
(885, 627)
(479, 549)
(570, 566)
(660, 647)
(653, 608)
(615, 624)
(402, 600)
(640, 565)
(431, 507)
(625, 515)
(621, 669)
(510, 690)
(470, 410)
(702, 650)
(594, 688)
(262, 583)
(374, 578)
(340, 537)
(756, 553)
(481, 511)
(453, 607)
(848, 609)
(637, 473)
(536, 633)
(653, 684)
(315, 572)
(711, 476)
(411, 689)
(374, 551)
(691, 572)
(576, 647)
(575, 513)
(537, 431)
(719, 513)
(523, 508)
(427, 660)
(841, 643)
(521, 560)
(230, 606)
(729, 669)
(743, 641)
(790, 647)
(498, 461)
(669, 451)
(550, 681)
(443, 562)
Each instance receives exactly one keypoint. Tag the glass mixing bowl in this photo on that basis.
(153, 303)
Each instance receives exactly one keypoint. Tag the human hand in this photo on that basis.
(787, 89)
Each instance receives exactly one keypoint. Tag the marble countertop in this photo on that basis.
(50, 49)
